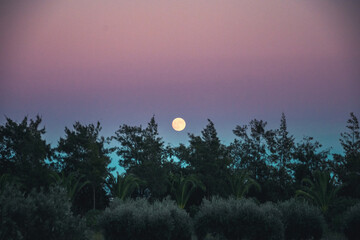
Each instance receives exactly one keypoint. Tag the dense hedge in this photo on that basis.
(301, 220)
(138, 219)
(238, 219)
(39, 215)
(352, 222)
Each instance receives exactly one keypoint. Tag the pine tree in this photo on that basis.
(24, 152)
(207, 158)
(282, 150)
(142, 153)
(347, 167)
(83, 152)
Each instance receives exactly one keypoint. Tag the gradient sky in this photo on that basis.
(121, 61)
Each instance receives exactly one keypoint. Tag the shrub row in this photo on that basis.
(244, 219)
(217, 218)
(38, 215)
(301, 220)
(132, 220)
(47, 215)
(238, 219)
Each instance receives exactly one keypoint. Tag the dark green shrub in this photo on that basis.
(38, 216)
(335, 216)
(238, 219)
(92, 217)
(352, 222)
(141, 220)
(301, 220)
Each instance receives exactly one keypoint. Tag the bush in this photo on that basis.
(352, 222)
(38, 216)
(141, 220)
(92, 217)
(335, 216)
(301, 220)
(238, 219)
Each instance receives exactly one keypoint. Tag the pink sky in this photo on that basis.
(229, 60)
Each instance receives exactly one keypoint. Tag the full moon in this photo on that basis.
(178, 124)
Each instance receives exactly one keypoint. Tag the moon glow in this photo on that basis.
(178, 124)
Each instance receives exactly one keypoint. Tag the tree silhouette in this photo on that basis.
(281, 153)
(348, 167)
(207, 158)
(123, 185)
(142, 153)
(322, 191)
(250, 149)
(23, 152)
(83, 151)
(308, 159)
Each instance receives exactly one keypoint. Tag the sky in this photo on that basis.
(121, 62)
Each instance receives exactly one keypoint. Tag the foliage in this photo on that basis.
(238, 219)
(281, 149)
(138, 219)
(38, 215)
(4, 180)
(251, 151)
(282, 146)
(301, 220)
(322, 192)
(142, 153)
(348, 167)
(240, 184)
(92, 218)
(207, 158)
(308, 159)
(70, 183)
(123, 185)
(350, 141)
(352, 222)
(183, 187)
(83, 151)
(335, 216)
(251, 148)
(23, 152)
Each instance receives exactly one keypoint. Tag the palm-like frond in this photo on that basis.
(322, 192)
(71, 183)
(123, 185)
(183, 187)
(241, 183)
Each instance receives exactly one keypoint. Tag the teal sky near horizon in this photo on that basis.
(230, 61)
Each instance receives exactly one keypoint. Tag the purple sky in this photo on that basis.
(230, 61)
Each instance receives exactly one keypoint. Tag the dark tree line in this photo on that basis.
(266, 164)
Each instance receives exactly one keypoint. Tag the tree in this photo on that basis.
(322, 191)
(71, 183)
(123, 185)
(207, 158)
(183, 187)
(308, 159)
(83, 152)
(283, 145)
(350, 140)
(250, 150)
(143, 154)
(241, 183)
(23, 153)
(281, 154)
(347, 167)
